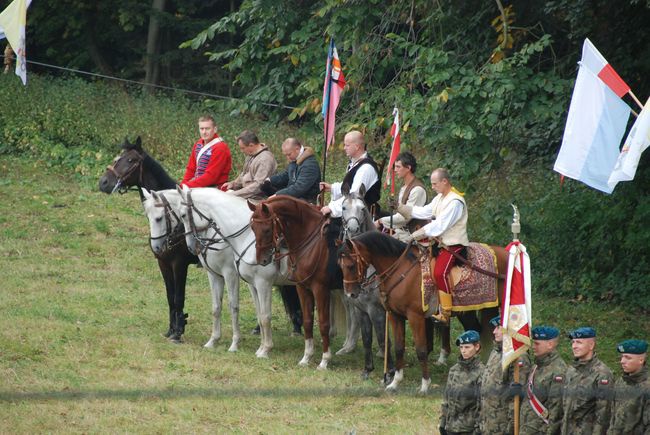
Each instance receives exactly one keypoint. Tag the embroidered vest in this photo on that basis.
(457, 233)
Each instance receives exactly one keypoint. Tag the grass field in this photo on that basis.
(83, 309)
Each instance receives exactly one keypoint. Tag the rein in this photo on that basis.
(469, 263)
(279, 234)
(208, 242)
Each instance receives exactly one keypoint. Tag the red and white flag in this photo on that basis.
(334, 84)
(516, 315)
(394, 151)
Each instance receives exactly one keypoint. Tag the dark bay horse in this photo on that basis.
(286, 223)
(399, 275)
(133, 167)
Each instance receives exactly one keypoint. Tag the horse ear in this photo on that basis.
(179, 189)
(251, 206)
(155, 195)
(345, 189)
(146, 193)
(362, 191)
(265, 209)
(138, 143)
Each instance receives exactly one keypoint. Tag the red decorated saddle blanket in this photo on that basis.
(471, 290)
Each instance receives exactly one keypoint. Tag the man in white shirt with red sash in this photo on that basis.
(210, 160)
(449, 225)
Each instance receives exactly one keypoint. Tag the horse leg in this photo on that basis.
(399, 331)
(322, 296)
(366, 337)
(216, 291)
(307, 306)
(352, 316)
(179, 269)
(168, 276)
(264, 296)
(445, 343)
(232, 278)
(418, 327)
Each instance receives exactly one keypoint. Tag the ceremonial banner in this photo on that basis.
(394, 151)
(595, 124)
(334, 84)
(635, 143)
(516, 315)
(12, 26)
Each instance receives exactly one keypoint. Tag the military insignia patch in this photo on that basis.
(559, 379)
(604, 382)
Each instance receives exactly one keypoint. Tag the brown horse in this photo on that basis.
(284, 223)
(400, 276)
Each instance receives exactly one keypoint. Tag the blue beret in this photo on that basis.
(583, 332)
(545, 332)
(468, 337)
(636, 347)
(495, 321)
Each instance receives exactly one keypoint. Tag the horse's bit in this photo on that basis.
(136, 164)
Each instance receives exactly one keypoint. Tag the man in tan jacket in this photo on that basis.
(258, 166)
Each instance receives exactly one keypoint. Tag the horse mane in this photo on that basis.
(380, 243)
(158, 172)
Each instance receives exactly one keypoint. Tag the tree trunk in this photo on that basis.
(152, 65)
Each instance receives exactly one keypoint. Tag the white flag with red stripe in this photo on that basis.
(394, 151)
(516, 315)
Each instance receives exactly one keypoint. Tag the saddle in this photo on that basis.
(470, 289)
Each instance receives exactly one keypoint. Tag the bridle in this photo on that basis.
(362, 267)
(210, 243)
(278, 241)
(173, 236)
(136, 164)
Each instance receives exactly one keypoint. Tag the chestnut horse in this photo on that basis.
(286, 223)
(400, 276)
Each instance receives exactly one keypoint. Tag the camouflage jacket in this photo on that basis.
(587, 398)
(496, 415)
(547, 385)
(631, 406)
(460, 405)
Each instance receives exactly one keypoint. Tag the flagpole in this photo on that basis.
(636, 100)
(515, 227)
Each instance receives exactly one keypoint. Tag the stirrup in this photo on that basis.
(442, 317)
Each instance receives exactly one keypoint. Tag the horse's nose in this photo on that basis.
(103, 183)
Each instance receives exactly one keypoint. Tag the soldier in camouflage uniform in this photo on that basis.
(497, 402)
(460, 405)
(544, 386)
(631, 406)
(589, 388)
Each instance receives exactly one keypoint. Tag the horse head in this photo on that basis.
(265, 225)
(355, 215)
(126, 169)
(163, 220)
(194, 221)
(354, 267)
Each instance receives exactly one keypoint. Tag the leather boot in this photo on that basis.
(445, 307)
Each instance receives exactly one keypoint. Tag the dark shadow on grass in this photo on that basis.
(207, 393)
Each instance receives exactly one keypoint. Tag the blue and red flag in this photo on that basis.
(334, 84)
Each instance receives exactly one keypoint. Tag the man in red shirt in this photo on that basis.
(210, 161)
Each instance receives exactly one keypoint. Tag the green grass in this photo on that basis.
(81, 351)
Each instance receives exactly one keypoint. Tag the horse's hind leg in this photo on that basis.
(417, 324)
(263, 296)
(445, 343)
(353, 322)
(366, 337)
(216, 292)
(179, 268)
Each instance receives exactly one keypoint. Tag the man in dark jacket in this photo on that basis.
(302, 175)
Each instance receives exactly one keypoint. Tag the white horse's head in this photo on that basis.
(355, 215)
(195, 223)
(161, 209)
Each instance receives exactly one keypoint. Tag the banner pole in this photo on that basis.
(517, 399)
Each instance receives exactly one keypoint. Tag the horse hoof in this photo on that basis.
(233, 348)
(303, 363)
(345, 351)
(322, 366)
(176, 339)
(391, 388)
(168, 334)
(210, 344)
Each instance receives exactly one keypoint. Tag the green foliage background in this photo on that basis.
(481, 91)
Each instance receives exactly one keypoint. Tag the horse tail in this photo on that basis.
(337, 313)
